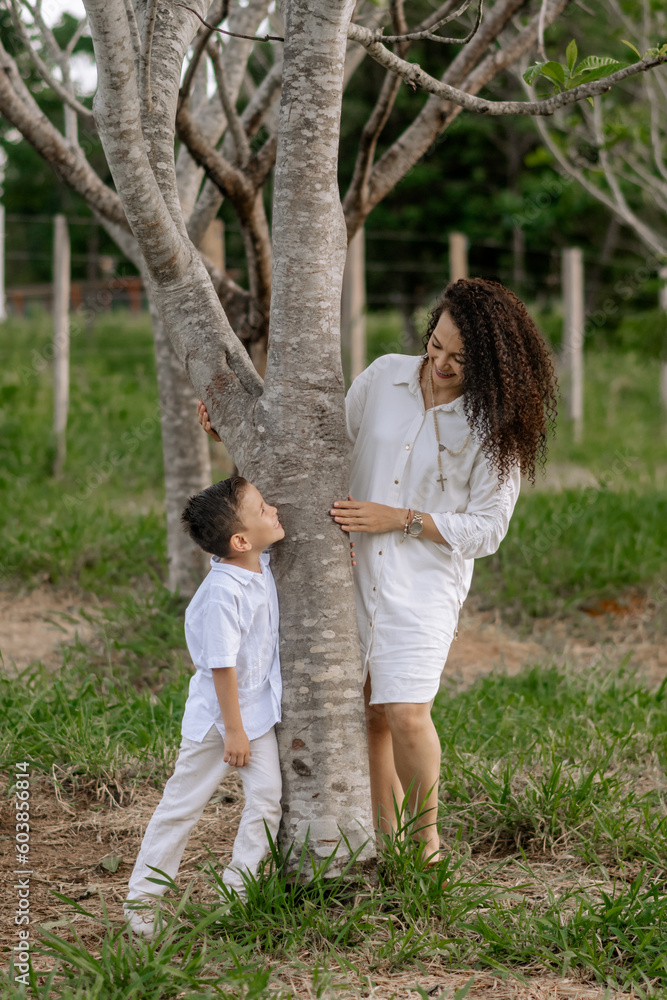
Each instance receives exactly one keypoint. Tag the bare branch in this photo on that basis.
(416, 35)
(260, 166)
(540, 30)
(234, 122)
(68, 98)
(657, 140)
(625, 216)
(233, 34)
(145, 84)
(19, 107)
(134, 35)
(415, 77)
(257, 107)
(190, 73)
(71, 45)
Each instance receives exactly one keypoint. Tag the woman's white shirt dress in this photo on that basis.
(409, 590)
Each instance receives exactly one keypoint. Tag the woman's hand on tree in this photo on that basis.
(203, 418)
(364, 515)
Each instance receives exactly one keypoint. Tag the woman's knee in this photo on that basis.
(407, 721)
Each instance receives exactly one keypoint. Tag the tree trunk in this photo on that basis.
(187, 466)
(302, 459)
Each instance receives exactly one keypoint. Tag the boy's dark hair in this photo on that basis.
(211, 517)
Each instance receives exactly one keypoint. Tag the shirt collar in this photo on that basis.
(408, 374)
(244, 576)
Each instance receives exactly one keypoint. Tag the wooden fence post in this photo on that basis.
(458, 256)
(573, 336)
(61, 293)
(662, 273)
(353, 308)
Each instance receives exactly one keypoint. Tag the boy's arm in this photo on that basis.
(237, 745)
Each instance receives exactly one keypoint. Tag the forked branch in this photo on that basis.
(415, 77)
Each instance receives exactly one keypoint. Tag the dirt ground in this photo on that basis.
(76, 830)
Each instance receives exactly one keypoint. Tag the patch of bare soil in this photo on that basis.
(71, 834)
(606, 631)
(36, 624)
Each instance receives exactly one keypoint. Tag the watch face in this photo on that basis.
(416, 527)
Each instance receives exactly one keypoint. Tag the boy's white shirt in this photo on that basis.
(232, 621)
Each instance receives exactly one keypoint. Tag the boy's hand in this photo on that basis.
(237, 748)
(203, 418)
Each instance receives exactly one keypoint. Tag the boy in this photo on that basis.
(231, 628)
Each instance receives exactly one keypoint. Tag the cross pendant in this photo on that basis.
(442, 480)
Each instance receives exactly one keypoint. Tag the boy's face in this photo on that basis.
(261, 526)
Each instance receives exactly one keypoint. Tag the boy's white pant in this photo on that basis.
(199, 770)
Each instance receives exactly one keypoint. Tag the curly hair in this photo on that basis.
(509, 382)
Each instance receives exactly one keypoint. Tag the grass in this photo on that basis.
(51, 529)
(552, 801)
(561, 548)
(553, 783)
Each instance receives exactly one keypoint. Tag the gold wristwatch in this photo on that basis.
(416, 525)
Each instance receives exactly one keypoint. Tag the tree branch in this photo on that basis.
(465, 71)
(415, 77)
(84, 113)
(134, 35)
(428, 33)
(233, 34)
(212, 355)
(145, 86)
(19, 107)
(233, 121)
(625, 216)
(261, 164)
(244, 192)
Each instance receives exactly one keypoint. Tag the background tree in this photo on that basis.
(285, 432)
(615, 148)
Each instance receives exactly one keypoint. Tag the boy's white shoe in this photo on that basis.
(141, 922)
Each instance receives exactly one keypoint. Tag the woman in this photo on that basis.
(438, 444)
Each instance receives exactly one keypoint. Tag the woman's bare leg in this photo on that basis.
(417, 761)
(385, 783)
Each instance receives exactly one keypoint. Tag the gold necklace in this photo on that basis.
(442, 479)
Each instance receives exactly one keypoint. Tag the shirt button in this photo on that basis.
(407, 447)
(396, 482)
(380, 552)
(370, 624)
(374, 588)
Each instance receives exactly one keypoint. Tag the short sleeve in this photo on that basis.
(355, 402)
(222, 632)
(479, 530)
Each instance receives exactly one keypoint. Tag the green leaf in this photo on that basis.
(110, 863)
(571, 53)
(551, 70)
(592, 63)
(532, 72)
(631, 46)
(597, 68)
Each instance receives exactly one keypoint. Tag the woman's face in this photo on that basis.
(445, 348)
